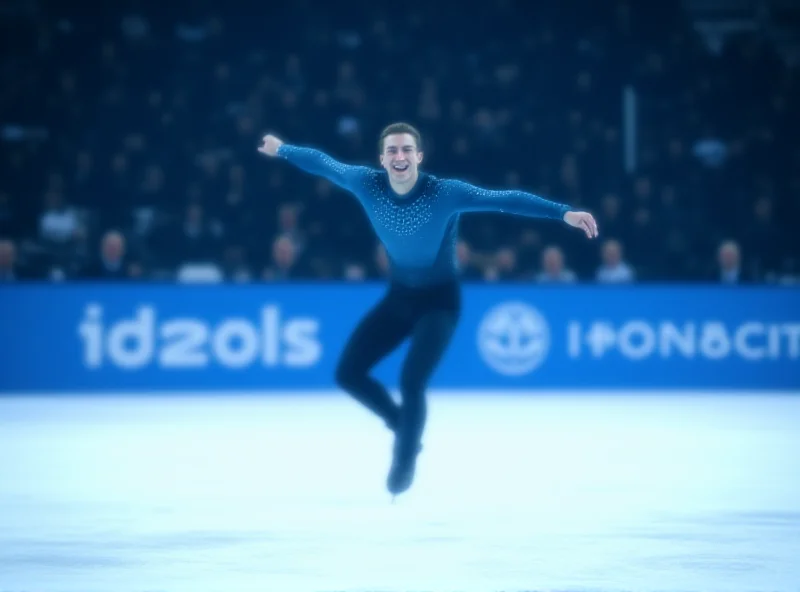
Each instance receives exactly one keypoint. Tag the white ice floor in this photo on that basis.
(514, 493)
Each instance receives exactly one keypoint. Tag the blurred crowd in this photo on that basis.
(129, 138)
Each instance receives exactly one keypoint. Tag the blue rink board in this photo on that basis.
(95, 337)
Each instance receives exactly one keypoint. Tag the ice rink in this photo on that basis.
(577, 493)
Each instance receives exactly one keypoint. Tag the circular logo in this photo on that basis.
(513, 338)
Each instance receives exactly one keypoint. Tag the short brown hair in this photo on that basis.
(400, 128)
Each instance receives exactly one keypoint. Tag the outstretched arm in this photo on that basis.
(469, 198)
(315, 162)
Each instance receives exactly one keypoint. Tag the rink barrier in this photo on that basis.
(268, 337)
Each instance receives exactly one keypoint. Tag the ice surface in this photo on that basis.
(604, 492)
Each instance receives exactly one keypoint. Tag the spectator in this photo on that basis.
(503, 266)
(729, 261)
(288, 226)
(468, 268)
(553, 268)
(613, 269)
(8, 263)
(113, 262)
(284, 261)
(381, 261)
(353, 272)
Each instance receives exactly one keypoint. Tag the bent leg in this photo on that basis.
(376, 336)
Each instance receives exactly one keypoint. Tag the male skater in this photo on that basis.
(415, 215)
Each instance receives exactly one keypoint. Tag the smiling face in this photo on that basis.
(401, 157)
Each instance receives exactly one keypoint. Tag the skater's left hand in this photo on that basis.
(583, 220)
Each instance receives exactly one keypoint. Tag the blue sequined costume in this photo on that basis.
(418, 229)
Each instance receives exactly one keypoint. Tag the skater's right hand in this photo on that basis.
(270, 145)
(584, 221)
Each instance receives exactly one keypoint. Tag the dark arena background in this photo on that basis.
(613, 415)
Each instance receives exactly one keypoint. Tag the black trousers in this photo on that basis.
(428, 316)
